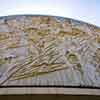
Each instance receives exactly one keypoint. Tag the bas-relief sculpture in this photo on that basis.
(48, 50)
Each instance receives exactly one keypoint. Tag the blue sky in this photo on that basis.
(85, 10)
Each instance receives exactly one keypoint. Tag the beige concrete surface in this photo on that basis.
(37, 90)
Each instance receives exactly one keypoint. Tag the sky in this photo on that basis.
(83, 10)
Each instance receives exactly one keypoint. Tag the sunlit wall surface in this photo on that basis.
(48, 51)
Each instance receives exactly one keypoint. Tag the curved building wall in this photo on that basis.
(40, 50)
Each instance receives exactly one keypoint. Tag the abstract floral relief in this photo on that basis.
(48, 50)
